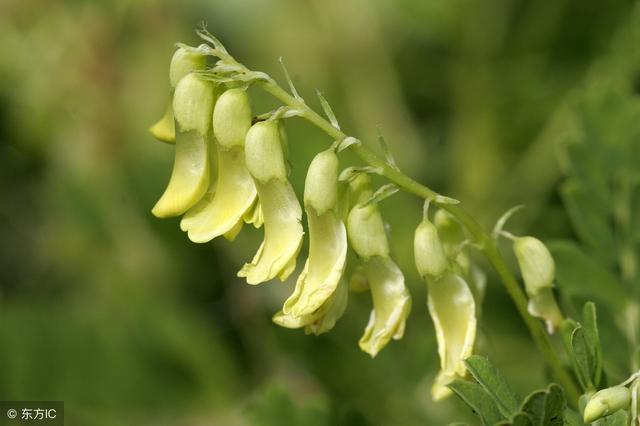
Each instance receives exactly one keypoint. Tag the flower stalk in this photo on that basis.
(480, 236)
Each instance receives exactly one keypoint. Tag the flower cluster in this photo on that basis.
(231, 169)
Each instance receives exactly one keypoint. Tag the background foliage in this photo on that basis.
(494, 103)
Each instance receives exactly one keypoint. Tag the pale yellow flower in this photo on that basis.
(538, 273)
(280, 208)
(192, 105)
(235, 193)
(453, 311)
(391, 304)
(327, 238)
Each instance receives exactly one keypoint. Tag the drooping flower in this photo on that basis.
(235, 192)
(453, 311)
(538, 273)
(391, 299)
(182, 63)
(193, 103)
(280, 208)
(327, 238)
(391, 304)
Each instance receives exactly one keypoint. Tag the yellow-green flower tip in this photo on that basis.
(193, 103)
(222, 214)
(322, 319)
(184, 62)
(430, 258)
(440, 389)
(164, 130)
(366, 231)
(321, 184)
(190, 176)
(536, 264)
(232, 118)
(453, 311)
(391, 304)
(324, 267)
(283, 233)
(263, 152)
(606, 402)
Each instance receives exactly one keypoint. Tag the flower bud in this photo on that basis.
(193, 103)
(232, 118)
(327, 238)
(606, 402)
(366, 231)
(391, 304)
(263, 151)
(428, 251)
(453, 311)
(536, 264)
(321, 184)
(182, 63)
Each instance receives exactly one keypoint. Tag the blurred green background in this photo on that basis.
(119, 315)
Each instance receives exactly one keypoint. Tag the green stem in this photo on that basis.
(487, 244)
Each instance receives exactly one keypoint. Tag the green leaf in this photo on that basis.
(572, 418)
(590, 221)
(579, 274)
(478, 399)
(545, 407)
(584, 362)
(592, 337)
(519, 419)
(494, 384)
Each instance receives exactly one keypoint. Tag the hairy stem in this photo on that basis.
(481, 237)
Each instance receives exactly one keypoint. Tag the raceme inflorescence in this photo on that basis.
(231, 169)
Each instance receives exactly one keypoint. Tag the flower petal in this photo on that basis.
(193, 105)
(190, 176)
(452, 309)
(327, 258)
(282, 234)
(391, 304)
(234, 195)
(165, 129)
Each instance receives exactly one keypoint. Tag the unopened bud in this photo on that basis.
(605, 402)
(536, 264)
(232, 118)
